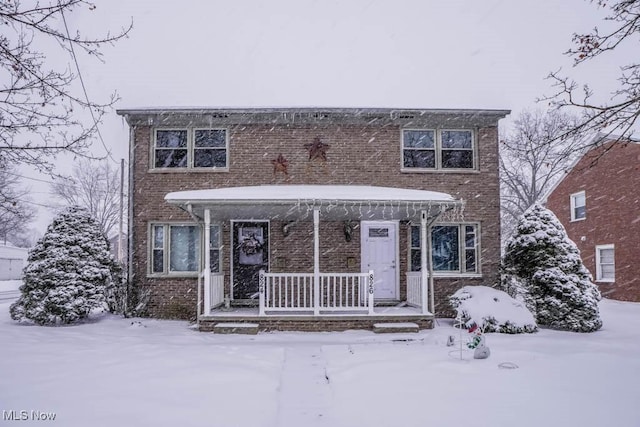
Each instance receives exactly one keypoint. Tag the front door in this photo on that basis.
(250, 255)
(379, 243)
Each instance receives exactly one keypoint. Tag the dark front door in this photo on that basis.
(250, 255)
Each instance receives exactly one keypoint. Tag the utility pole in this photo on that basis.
(120, 236)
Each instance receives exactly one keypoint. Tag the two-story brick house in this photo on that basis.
(305, 218)
(598, 202)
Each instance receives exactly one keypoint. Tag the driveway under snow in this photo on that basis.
(124, 372)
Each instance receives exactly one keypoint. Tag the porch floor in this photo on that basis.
(304, 321)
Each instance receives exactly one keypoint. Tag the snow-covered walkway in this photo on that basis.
(304, 394)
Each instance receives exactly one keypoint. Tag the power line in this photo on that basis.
(84, 89)
(68, 182)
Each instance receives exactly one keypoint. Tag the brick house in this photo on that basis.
(598, 202)
(310, 219)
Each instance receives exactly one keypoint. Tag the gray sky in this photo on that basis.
(333, 53)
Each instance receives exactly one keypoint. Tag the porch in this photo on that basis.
(314, 300)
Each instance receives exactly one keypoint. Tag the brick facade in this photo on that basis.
(610, 177)
(362, 151)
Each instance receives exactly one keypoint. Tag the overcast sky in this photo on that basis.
(332, 53)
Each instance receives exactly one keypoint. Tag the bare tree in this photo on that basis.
(15, 211)
(619, 115)
(533, 157)
(94, 185)
(46, 111)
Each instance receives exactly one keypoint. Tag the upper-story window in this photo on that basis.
(428, 149)
(578, 206)
(190, 148)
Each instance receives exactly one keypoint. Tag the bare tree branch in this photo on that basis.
(42, 113)
(533, 157)
(94, 185)
(620, 116)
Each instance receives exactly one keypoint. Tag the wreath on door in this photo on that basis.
(251, 245)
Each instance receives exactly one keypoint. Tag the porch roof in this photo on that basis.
(296, 202)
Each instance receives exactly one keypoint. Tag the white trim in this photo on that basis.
(599, 265)
(207, 261)
(232, 248)
(438, 151)
(316, 261)
(166, 273)
(461, 250)
(396, 249)
(572, 204)
(190, 150)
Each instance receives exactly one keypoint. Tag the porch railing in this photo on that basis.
(337, 292)
(414, 288)
(217, 290)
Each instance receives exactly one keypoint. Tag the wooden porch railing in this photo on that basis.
(337, 292)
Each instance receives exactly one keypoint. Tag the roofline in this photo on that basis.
(280, 110)
(598, 140)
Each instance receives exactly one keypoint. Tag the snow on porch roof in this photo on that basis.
(295, 201)
(307, 194)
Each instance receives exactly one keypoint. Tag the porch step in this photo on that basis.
(384, 328)
(236, 328)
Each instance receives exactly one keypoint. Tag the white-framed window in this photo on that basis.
(442, 149)
(605, 263)
(175, 249)
(206, 149)
(454, 249)
(578, 206)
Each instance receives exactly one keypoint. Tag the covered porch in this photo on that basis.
(346, 296)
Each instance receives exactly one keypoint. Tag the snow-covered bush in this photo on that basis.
(69, 272)
(493, 310)
(542, 267)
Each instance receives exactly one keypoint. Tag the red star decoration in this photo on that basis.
(280, 164)
(317, 150)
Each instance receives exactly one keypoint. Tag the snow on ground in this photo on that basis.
(10, 285)
(136, 372)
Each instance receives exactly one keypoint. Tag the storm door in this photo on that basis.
(379, 253)
(250, 255)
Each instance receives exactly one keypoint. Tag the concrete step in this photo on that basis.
(236, 328)
(385, 328)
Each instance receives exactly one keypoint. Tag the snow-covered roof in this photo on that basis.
(12, 252)
(206, 116)
(295, 201)
(308, 193)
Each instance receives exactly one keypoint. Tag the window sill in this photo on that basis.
(608, 281)
(173, 276)
(578, 219)
(421, 170)
(188, 170)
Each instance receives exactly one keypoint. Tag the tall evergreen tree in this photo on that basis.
(543, 266)
(69, 272)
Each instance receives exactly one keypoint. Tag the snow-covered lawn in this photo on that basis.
(162, 373)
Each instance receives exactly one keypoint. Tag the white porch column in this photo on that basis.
(207, 262)
(316, 261)
(423, 263)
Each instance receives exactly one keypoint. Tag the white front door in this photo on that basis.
(379, 253)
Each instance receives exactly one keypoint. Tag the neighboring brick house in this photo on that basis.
(311, 218)
(598, 202)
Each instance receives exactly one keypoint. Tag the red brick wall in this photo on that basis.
(610, 177)
(359, 154)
